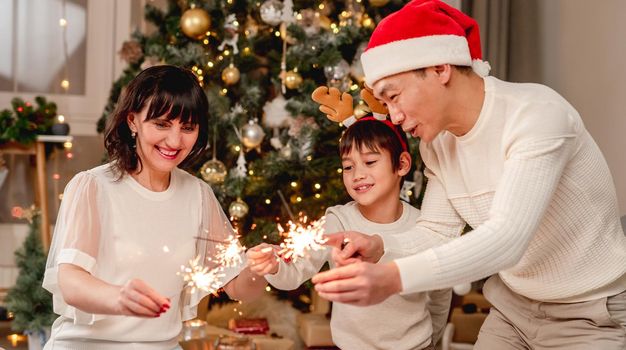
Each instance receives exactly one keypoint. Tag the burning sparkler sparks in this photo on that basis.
(229, 252)
(301, 237)
(200, 277)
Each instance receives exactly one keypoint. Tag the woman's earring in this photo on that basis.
(133, 134)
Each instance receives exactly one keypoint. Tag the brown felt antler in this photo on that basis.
(337, 106)
(374, 105)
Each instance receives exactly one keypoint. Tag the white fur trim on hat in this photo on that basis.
(405, 55)
(481, 67)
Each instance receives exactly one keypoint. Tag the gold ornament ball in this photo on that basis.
(293, 79)
(361, 110)
(230, 75)
(213, 172)
(379, 3)
(238, 209)
(195, 23)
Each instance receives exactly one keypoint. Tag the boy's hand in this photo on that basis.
(262, 259)
(352, 246)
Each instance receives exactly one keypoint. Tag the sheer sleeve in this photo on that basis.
(215, 229)
(76, 240)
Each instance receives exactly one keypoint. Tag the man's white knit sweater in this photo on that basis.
(534, 186)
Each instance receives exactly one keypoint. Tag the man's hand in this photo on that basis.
(353, 246)
(360, 283)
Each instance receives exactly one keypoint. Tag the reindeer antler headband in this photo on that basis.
(338, 107)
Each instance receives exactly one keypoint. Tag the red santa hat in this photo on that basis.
(423, 33)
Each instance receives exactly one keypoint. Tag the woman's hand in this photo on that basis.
(136, 298)
(262, 259)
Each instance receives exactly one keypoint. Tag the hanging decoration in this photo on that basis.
(231, 75)
(240, 171)
(309, 20)
(238, 209)
(195, 23)
(213, 172)
(271, 12)
(338, 75)
(293, 79)
(231, 34)
(252, 134)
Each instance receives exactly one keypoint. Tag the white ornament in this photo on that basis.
(252, 134)
(287, 16)
(271, 12)
(240, 171)
(275, 114)
(231, 27)
(337, 71)
(405, 192)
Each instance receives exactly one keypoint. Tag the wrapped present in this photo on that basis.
(466, 325)
(249, 325)
(314, 330)
(262, 342)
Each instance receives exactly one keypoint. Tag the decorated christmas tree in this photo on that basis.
(272, 154)
(30, 304)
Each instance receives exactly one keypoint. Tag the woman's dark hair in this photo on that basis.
(376, 136)
(168, 90)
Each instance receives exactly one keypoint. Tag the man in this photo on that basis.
(515, 162)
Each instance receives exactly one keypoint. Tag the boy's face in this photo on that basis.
(162, 144)
(369, 177)
(415, 102)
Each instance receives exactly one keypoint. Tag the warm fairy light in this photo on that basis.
(220, 58)
(298, 199)
(69, 155)
(15, 339)
(229, 253)
(339, 170)
(268, 289)
(56, 176)
(194, 68)
(205, 41)
(61, 118)
(65, 84)
(354, 87)
(224, 91)
(294, 184)
(63, 22)
(237, 148)
(301, 237)
(200, 277)
(317, 186)
(318, 196)
(321, 6)
(309, 158)
(277, 33)
(67, 144)
(199, 71)
(246, 50)
(251, 172)
(226, 52)
(299, 16)
(210, 64)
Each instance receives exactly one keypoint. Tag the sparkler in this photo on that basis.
(229, 252)
(301, 237)
(200, 277)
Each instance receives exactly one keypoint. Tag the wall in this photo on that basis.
(577, 47)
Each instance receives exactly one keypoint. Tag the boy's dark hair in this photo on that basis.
(169, 90)
(376, 136)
